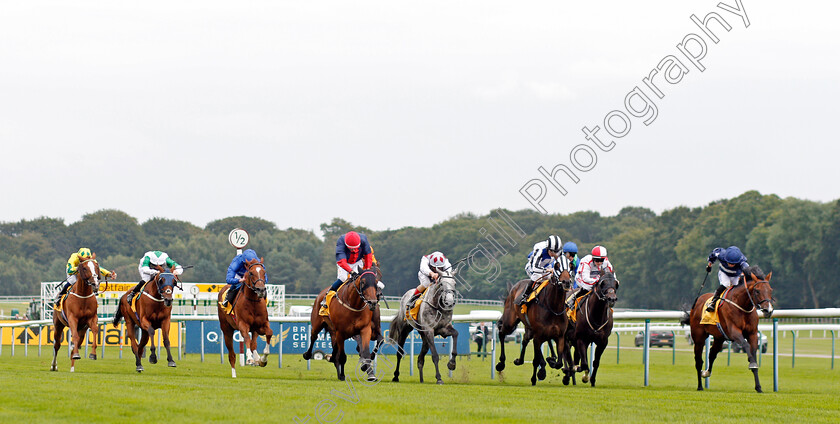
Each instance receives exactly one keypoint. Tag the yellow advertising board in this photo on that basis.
(107, 333)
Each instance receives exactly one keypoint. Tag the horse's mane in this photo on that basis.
(754, 269)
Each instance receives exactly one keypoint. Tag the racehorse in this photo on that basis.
(78, 313)
(544, 321)
(738, 321)
(434, 318)
(153, 311)
(250, 316)
(351, 313)
(594, 325)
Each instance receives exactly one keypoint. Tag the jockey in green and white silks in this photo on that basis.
(147, 273)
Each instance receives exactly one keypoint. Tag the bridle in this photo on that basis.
(252, 285)
(166, 277)
(602, 296)
(358, 286)
(766, 311)
(91, 281)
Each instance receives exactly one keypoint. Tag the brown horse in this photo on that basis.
(153, 311)
(78, 312)
(594, 325)
(250, 316)
(544, 321)
(738, 322)
(351, 313)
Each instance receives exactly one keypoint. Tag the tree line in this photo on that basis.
(659, 258)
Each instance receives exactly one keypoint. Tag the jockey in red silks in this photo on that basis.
(589, 271)
(353, 254)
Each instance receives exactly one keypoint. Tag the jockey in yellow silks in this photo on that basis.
(84, 254)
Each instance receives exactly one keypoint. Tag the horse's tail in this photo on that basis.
(117, 316)
(686, 310)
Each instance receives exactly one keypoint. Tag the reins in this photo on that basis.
(358, 286)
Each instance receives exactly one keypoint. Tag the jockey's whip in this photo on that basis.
(702, 285)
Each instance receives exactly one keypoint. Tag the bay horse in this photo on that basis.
(434, 318)
(250, 316)
(738, 321)
(545, 321)
(594, 325)
(153, 311)
(351, 313)
(78, 313)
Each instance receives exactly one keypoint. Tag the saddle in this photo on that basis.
(711, 318)
(59, 306)
(533, 295)
(228, 309)
(411, 313)
(325, 311)
(572, 312)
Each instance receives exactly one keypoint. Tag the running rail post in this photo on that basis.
(41, 330)
(411, 357)
(202, 341)
(775, 354)
(280, 347)
(793, 352)
(673, 348)
(309, 331)
(493, 352)
(617, 346)
(646, 352)
(179, 340)
(451, 349)
(832, 349)
(708, 346)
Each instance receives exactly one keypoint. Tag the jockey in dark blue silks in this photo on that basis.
(570, 249)
(540, 262)
(733, 263)
(236, 273)
(353, 254)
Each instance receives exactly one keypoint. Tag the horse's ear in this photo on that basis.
(93, 256)
(754, 278)
(770, 274)
(262, 260)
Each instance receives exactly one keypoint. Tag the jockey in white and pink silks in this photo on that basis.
(589, 271)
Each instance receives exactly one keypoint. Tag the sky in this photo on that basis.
(397, 113)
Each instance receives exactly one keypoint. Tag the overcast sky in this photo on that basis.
(397, 113)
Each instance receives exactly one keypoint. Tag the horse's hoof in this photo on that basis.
(578, 369)
(92, 356)
(263, 363)
(72, 369)
(307, 356)
(53, 368)
(153, 359)
(500, 366)
(171, 364)
(551, 362)
(541, 374)
(451, 365)
(699, 388)
(533, 381)
(139, 368)
(233, 372)
(585, 379)
(565, 381)
(758, 390)
(395, 379)
(340, 378)
(705, 373)
(440, 382)
(76, 356)
(592, 383)
(371, 377)
(753, 366)
(518, 362)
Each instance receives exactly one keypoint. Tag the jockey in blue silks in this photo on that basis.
(570, 249)
(733, 263)
(236, 273)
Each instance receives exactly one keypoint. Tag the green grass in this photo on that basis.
(108, 390)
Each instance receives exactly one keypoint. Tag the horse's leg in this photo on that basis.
(400, 352)
(599, 349)
(751, 347)
(73, 342)
(93, 324)
(58, 334)
(164, 328)
(448, 331)
(141, 346)
(717, 346)
(365, 356)
(421, 358)
(582, 349)
(552, 359)
(539, 363)
(525, 340)
(340, 355)
(318, 324)
(268, 332)
(504, 330)
(129, 332)
(244, 330)
(699, 345)
(227, 331)
(147, 326)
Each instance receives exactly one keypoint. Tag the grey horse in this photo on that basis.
(434, 319)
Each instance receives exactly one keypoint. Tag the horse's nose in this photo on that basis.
(167, 302)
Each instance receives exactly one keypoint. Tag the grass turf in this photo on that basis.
(108, 390)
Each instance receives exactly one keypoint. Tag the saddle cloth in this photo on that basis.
(572, 313)
(325, 311)
(411, 313)
(712, 317)
(228, 309)
(533, 295)
(58, 307)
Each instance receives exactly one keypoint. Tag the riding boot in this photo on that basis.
(229, 296)
(333, 288)
(570, 302)
(136, 288)
(413, 298)
(715, 298)
(528, 289)
(61, 293)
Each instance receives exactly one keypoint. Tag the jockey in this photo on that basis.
(353, 254)
(540, 262)
(570, 250)
(431, 266)
(732, 264)
(154, 257)
(588, 273)
(82, 255)
(236, 274)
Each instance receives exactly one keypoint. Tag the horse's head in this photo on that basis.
(448, 295)
(365, 285)
(562, 272)
(761, 293)
(255, 277)
(607, 287)
(88, 273)
(165, 282)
